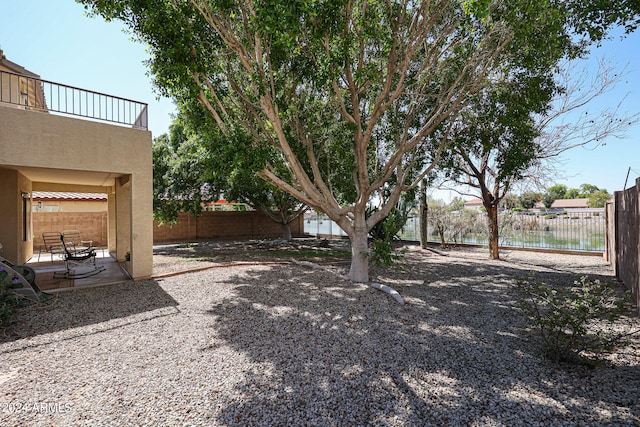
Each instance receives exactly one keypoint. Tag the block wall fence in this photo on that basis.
(91, 225)
(224, 225)
(210, 225)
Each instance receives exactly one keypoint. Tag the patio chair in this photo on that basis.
(51, 244)
(77, 258)
(73, 240)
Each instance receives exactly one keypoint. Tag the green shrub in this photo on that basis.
(385, 232)
(383, 253)
(577, 324)
(550, 216)
(8, 300)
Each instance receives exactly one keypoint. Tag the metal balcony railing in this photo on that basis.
(41, 95)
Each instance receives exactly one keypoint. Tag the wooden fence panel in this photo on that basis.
(627, 237)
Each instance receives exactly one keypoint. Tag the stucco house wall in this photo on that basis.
(47, 152)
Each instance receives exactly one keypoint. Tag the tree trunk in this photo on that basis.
(443, 242)
(286, 231)
(492, 222)
(359, 271)
(423, 215)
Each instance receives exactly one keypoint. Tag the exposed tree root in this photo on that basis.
(436, 252)
(384, 288)
(389, 290)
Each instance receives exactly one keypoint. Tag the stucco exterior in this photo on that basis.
(46, 152)
(47, 201)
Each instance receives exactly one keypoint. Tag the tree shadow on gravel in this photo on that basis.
(109, 305)
(302, 249)
(328, 352)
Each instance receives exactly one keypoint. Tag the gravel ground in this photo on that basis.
(287, 345)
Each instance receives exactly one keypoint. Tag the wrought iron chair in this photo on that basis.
(77, 258)
(73, 240)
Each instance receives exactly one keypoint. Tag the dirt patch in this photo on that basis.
(171, 258)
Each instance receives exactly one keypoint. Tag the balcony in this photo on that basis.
(30, 93)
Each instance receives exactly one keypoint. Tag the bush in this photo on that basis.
(550, 216)
(384, 232)
(383, 253)
(580, 323)
(8, 300)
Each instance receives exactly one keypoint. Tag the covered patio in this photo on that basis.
(114, 272)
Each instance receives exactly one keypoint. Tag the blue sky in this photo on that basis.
(54, 39)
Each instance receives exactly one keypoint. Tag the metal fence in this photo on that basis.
(321, 225)
(579, 231)
(41, 95)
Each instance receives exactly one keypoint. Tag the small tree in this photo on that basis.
(599, 199)
(492, 152)
(511, 202)
(555, 192)
(388, 230)
(529, 199)
(440, 219)
(462, 222)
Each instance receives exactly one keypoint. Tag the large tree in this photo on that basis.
(180, 175)
(593, 19)
(494, 137)
(522, 122)
(389, 75)
(494, 146)
(195, 163)
(555, 192)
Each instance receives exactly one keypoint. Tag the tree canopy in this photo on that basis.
(196, 163)
(515, 129)
(364, 81)
(338, 88)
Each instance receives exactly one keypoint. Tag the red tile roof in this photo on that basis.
(473, 202)
(57, 195)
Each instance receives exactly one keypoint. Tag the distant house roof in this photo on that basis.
(473, 203)
(12, 66)
(57, 195)
(570, 203)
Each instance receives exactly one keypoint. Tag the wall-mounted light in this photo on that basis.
(26, 195)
